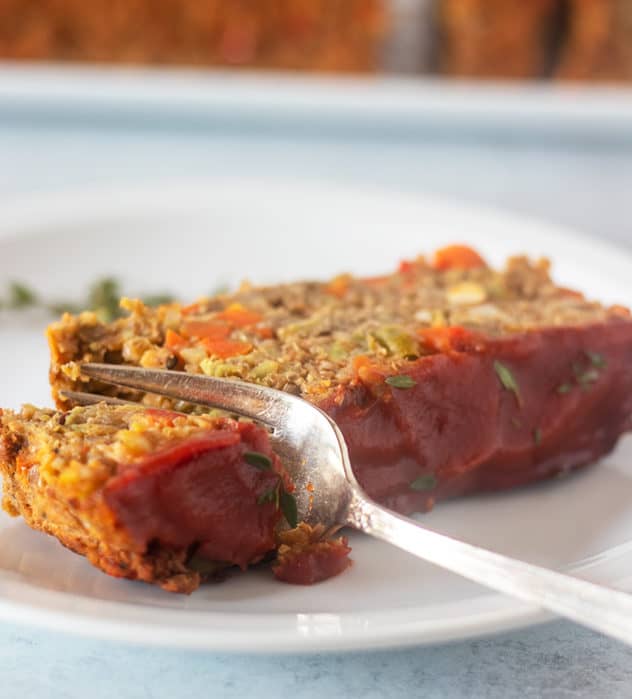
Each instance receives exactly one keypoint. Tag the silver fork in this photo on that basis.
(314, 453)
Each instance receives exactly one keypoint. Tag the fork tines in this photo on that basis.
(234, 396)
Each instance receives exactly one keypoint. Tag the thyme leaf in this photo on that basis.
(596, 359)
(425, 482)
(103, 299)
(401, 381)
(21, 296)
(507, 379)
(258, 460)
(289, 508)
(588, 377)
(157, 299)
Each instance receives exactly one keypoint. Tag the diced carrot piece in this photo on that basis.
(239, 316)
(457, 256)
(338, 286)
(366, 370)
(174, 342)
(209, 329)
(226, 348)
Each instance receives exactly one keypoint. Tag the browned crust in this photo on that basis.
(45, 510)
(57, 468)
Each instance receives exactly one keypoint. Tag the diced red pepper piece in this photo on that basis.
(457, 257)
(406, 267)
(452, 339)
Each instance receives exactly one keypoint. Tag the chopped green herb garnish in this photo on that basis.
(401, 381)
(157, 299)
(596, 359)
(289, 508)
(426, 482)
(21, 296)
(269, 495)
(507, 379)
(588, 377)
(104, 299)
(537, 435)
(258, 460)
(585, 375)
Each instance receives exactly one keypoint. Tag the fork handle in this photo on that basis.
(601, 608)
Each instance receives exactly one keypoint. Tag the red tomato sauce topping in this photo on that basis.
(486, 416)
(305, 559)
(202, 492)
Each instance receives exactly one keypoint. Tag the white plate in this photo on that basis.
(190, 236)
(393, 107)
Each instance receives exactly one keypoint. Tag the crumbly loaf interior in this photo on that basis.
(303, 337)
(53, 466)
(78, 451)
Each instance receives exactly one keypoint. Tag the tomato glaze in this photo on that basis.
(458, 429)
(314, 563)
(203, 493)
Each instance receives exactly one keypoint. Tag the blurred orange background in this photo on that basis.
(559, 39)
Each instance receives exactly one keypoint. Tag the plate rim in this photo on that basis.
(111, 93)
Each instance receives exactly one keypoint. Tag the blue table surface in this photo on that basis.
(586, 185)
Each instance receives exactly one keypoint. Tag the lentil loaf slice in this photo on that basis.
(315, 35)
(445, 377)
(156, 496)
(496, 38)
(598, 44)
